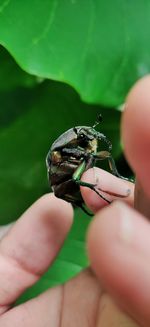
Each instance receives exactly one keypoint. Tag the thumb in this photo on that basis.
(136, 138)
(118, 238)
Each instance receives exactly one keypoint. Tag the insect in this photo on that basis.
(73, 153)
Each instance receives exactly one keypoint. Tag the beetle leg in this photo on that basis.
(102, 155)
(92, 187)
(77, 175)
(104, 138)
(80, 205)
(114, 170)
(76, 178)
(111, 161)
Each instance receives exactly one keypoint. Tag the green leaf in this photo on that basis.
(11, 75)
(36, 118)
(42, 114)
(99, 47)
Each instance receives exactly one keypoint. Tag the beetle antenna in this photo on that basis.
(98, 121)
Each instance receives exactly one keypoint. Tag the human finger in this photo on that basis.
(73, 304)
(136, 138)
(31, 245)
(108, 183)
(118, 247)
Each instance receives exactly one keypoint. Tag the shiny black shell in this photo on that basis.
(65, 156)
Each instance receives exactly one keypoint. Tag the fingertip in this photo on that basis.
(111, 232)
(140, 87)
(40, 231)
(136, 116)
(48, 210)
(31, 245)
(118, 248)
(51, 207)
(113, 243)
(106, 184)
(135, 130)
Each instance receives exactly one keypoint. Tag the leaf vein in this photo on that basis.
(124, 59)
(89, 32)
(4, 5)
(48, 24)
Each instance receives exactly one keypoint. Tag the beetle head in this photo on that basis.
(86, 138)
(85, 134)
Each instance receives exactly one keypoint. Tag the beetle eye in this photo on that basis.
(82, 136)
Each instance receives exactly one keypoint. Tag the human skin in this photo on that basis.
(115, 290)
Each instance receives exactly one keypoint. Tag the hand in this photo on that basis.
(115, 291)
(119, 237)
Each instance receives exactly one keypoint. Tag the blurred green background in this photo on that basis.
(32, 115)
(61, 64)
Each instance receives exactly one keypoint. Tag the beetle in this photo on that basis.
(73, 152)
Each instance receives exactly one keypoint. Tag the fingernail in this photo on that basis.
(128, 192)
